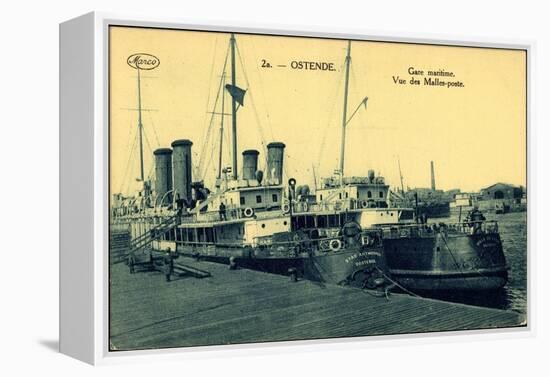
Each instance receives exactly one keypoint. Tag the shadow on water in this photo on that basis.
(497, 299)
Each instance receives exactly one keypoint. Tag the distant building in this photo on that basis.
(424, 191)
(462, 199)
(429, 194)
(501, 191)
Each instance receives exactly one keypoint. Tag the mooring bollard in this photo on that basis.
(232, 263)
(293, 275)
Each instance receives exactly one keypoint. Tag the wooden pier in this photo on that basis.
(242, 306)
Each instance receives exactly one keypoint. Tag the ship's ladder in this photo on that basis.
(153, 234)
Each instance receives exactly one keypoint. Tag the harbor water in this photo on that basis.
(513, 233)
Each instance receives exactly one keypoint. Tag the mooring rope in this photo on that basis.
(396, 283)
(370, 293)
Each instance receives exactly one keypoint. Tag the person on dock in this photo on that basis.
(168, 264)
(223, 216)
(151, 260)
(131, 263)
(475, 217)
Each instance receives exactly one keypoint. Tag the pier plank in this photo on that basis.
(241, 306)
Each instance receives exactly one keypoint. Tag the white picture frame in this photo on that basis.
(84, 170)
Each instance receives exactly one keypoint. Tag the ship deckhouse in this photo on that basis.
(243, 209)
(359, 192)
(363, 200)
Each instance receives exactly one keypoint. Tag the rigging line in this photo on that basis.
(261, 86)
(147, 142)
(357, 95)
(127, 181)
(131, 128)
(210, 83)
(151, 151)
(227, 151)
(154, 129)
(227, 139)
(124, 184)
(354, 88)
(204, 168)
(199, 171)
(127, 168)
(331, 99)
(454, 259)
(208, 163)
(150, 174)
(130, 148)
(213, 151)
(254, 109)
(353, 85)
(211, 74)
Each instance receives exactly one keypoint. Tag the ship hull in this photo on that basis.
(435, 210)
(447, 261)
(356, 265)
(486, 279)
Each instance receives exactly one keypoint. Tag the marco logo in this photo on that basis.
(143, 61)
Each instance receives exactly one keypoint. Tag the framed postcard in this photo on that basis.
(230, 186)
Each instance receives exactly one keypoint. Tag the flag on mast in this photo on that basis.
(237, 93)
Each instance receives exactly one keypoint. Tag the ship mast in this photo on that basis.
(140, 127)
(221, 128)
(233, 107)
(345, 111)
(400, 175)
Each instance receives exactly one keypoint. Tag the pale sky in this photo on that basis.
(476, 134)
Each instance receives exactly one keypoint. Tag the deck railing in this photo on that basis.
(231, 214)
(325, 244)
(428, 230)
(336, 206)
(234, 212)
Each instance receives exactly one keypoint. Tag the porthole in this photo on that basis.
(284, 222)
(263, 225)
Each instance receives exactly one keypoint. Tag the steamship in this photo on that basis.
(446, 256)
(350, 231)
(248, 220)
(422, 257)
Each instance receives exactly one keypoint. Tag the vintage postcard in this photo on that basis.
(272, 188)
